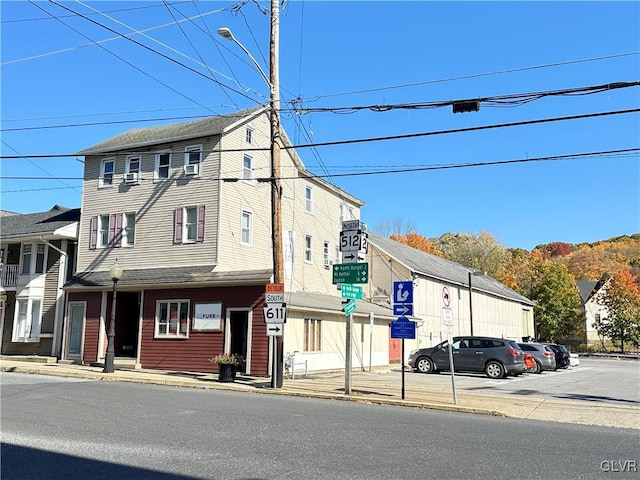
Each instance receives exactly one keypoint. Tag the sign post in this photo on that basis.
(447, 323)
(275, 315)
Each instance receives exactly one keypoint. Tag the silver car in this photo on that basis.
(545, 357)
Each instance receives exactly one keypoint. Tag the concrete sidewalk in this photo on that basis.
(366, 387)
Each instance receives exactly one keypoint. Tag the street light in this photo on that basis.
(276, 207)
(115, 272)
(474, 273)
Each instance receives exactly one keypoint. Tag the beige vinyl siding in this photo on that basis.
(47, 324)
(154, 204)
(252, 196)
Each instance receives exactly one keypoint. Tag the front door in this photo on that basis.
(238, 335)
(127, 318)
(75, 331)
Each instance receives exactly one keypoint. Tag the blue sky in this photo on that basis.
(346, 54)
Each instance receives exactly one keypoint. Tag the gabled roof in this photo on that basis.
(316, 302)
(141, 137)
(588, 289)
(443, 270)
(59, 221)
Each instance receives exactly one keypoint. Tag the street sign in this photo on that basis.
(275, 313)
(351, 225)
(403, 309)
(447, 317)
(275, 330)
(351, 291)
(273, 298)
(402, 292)
(351, 273)
(349, 307)
(352, 240)
(403, 328)
(446, 297)
(274, 288)
(353, 257)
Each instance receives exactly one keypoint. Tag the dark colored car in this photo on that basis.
(562, 355)
(543, 355)
(496, 357)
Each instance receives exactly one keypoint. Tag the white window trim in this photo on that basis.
(308, 248)
(251, 178)
(250, 213)
(101, 183)
(185, 229)
(179, 335)
(248, 136)
(99, 243)
(187, 151)
(31, 338)
(124, 240)
(156, 169)
(33, 258)
(130, 158)
(308, 202)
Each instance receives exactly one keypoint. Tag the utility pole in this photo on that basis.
(276, 190)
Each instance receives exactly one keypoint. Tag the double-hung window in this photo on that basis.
(26, 323)
(29, 263)
(163, 166)
(114, 230)
(308, 254)
(325, 253)
(172, 319)
(246, 227)
(308, 201)
(247, 167)
(189, 224)
(107, 169)
(312, 335)
(248, 136)
(193, 160)
(132, 172)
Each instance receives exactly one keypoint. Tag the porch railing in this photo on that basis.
(9, 275)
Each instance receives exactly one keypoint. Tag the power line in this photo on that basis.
(477, 75)
(155, 51)
(625, 152)
(370, 139)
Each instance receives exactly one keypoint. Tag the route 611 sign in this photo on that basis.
(275, 313)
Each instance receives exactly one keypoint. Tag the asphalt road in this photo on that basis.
(609, 381)
(57, 428)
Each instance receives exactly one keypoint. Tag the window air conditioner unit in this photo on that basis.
(192, 169)
(131, 177)
(327, 263)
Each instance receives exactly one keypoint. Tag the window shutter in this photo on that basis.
(93, 236)
(112, 229)
(117, 240)
(200, 233)
(177, 225)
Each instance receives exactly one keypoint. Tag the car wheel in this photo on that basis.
(424, 365)
(494, 370)
(537, 368)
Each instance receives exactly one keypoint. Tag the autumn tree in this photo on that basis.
(416, 241)
(478, 251)
(621, 297)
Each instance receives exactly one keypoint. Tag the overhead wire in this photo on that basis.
(393, 137)
(625, 152)
(121, 58)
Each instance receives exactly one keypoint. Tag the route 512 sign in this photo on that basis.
(275, 313)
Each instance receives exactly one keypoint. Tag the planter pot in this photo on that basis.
(226, 372)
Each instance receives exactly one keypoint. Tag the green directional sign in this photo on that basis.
(349, 307)
(351, 291)
(350, 273)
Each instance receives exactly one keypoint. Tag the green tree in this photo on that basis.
(557, 312)
(621, 297)
(478, 251)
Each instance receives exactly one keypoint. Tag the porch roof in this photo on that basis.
(193, 276)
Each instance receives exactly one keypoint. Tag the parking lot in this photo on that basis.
(598, 380)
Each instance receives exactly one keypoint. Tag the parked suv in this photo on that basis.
(544, 356)
(497, 357)
(562, 355)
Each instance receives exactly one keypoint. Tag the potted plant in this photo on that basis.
(227, 366)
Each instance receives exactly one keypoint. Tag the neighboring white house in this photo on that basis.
(594, 312)
(498, 311)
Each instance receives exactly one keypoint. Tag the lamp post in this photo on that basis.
(474, 273)
(276, 212)
(115, 272)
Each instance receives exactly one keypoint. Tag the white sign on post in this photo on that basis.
(275, 313)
